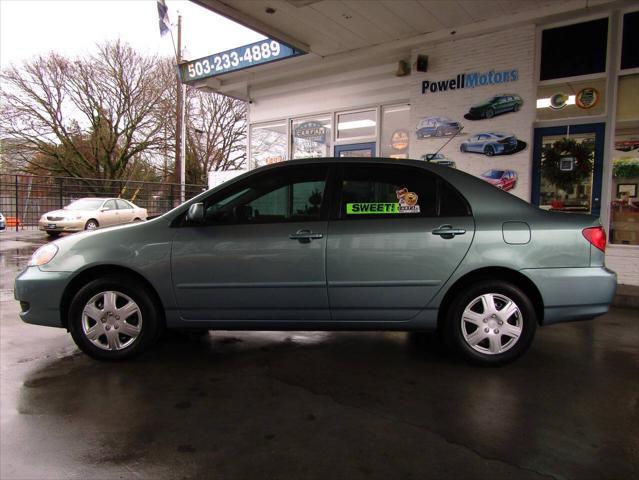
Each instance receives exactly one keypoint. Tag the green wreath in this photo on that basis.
(566, 147)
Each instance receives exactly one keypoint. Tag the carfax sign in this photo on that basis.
(239, 58)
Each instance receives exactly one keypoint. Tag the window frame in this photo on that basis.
(104, 205)
(566, 23)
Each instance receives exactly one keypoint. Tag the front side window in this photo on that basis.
(371, 191)
(291, 195)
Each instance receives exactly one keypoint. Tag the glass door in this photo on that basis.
(355, 150)
(567, 168)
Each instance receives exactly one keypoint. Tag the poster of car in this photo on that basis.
(492, 143)
(503, 179)
(495, 105)
(437, 127)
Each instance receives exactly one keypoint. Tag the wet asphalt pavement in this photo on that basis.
(316, 405)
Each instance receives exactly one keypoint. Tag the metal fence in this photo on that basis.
(25, 198)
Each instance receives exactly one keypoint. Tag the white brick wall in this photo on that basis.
(506, 50)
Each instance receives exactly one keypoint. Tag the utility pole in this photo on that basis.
(180, 157)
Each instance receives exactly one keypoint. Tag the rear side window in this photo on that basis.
(451, 203)
(122, 205)
(385, 191)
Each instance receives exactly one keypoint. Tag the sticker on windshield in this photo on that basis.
(406, 203)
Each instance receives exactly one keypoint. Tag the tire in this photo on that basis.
(462, 148)
(91, 224)
(468, 314)
(439, 132)
(516, 107)
(490, 113)
(135, 333)
(52, 234)
(489, 151)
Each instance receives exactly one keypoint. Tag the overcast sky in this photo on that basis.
(73, 27)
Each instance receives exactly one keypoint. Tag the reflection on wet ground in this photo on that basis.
(318, 405)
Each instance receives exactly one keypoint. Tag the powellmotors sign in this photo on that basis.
(470, 80)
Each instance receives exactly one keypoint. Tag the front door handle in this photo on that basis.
(305, 236)
(448, 232)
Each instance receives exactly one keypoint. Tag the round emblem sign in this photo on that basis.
(587, 98)
(558, 100)
(399, 139)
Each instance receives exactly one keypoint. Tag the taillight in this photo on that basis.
(596, 236)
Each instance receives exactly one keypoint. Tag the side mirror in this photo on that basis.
(429, 157)
(105, 209)
(196, 213)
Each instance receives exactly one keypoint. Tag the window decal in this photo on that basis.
(406, 203)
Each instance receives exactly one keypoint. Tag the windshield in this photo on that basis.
(495, 174)
(85, 204)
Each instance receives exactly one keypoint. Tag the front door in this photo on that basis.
(567, 168)
(261, 255)
(390, 249)
(355, 150)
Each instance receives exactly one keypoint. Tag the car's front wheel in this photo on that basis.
(489, 151)
(491, 323)
(91, 225)
(109, 320)
(489, 113)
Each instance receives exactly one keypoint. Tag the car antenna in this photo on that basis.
(433, 155)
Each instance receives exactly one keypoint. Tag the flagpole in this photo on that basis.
(180, 149)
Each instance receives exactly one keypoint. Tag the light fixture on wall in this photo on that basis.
(403, 68)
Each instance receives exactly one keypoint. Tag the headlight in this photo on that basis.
(43, 255)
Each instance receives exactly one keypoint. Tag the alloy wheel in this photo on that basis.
(492, 324)
(111, 320)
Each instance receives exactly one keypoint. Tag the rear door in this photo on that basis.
(125, 211)
(397, 235)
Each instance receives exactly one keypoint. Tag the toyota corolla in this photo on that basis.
(328, 244)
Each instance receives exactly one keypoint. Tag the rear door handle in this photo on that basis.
(305, 236)
(448, 232)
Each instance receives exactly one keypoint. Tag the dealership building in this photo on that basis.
(539, 97)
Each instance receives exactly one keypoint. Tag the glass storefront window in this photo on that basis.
(566, 182)
(311, 137)
(395, 133)
(356, 125)
(269, 143)
(624, 199)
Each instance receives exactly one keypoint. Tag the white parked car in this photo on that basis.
(3, 223)
(89, 214)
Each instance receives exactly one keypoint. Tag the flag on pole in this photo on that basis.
(163, 13)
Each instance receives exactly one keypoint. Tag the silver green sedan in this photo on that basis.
(329, 244)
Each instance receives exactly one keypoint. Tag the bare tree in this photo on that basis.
(215, 129)
(90, 117)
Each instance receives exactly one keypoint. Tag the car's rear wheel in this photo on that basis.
(52, 234)
(516, 107)
(91, 224)
(109, 320)
(489, 151)
(491, 323)
(462, 148)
